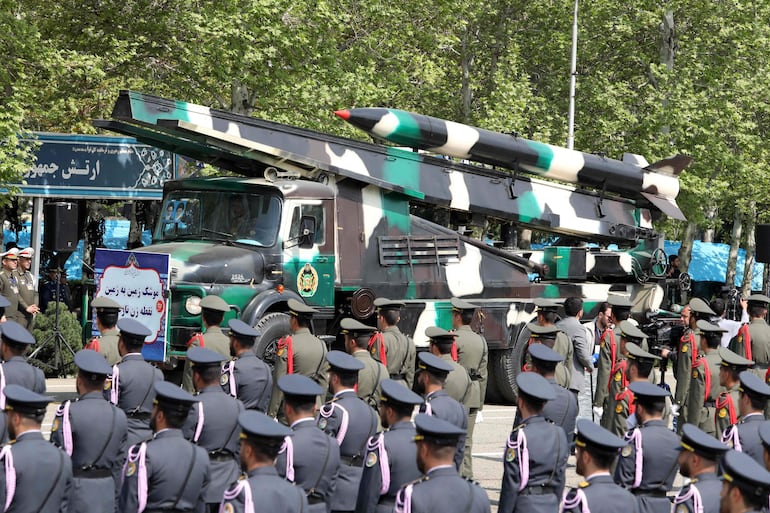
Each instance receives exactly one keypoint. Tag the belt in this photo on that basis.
(221, 456)
(710, 404)
(91, 473)
(387, 500)
(538, 490)
(352, 461)
(139, 415)
(315, 498)
(649, 493)
(398, 377)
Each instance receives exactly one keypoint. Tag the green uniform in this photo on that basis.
(704, 390)
(370, 377)
(307, 355)
(727, 408)
(686, 355)
(213, 339)
(401, 355)
(27, 296)
(613, 418)
(107, 345)
(458, 383)
(760, 345)
(9, 287)
(472, 354)
(608, 345)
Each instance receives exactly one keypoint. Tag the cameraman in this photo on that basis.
(720, 309)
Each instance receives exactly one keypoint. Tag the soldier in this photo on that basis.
(93, 433)
(167, 473)
(400, 352)
(372, 373)
(9, 284)
(536, 453)
(15, 369)
(28, 295)
(745, 484)
(744, 435)
(310, 458)
(596, 452)
(34, 475)
(432, 373)
(299, 353)
(581, 352)
(618, 378)
(458, 384)
(106, 319)
(698, 455)
(472, 354)
(648, 464)
(608, 350)
(704, 383)
(4, 303)
(441, 489)
(130, 386)
(213, 423)
(729, 379)
(391, 459)
(547, 314)
(639, 365)
(246, 376)
(764, 436)
(213, 310)
(759, 333)
(349, 420)
(261, 439)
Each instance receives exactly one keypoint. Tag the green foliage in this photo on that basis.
(70, 329)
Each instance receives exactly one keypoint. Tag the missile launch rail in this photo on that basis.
(328, 221)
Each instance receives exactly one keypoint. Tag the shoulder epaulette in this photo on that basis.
(584, 484)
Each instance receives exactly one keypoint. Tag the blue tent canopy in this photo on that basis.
(709, 263)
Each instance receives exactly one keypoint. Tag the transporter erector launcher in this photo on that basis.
(633, 176)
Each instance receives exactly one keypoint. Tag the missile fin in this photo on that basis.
(637, 160)
(666, 205)
(671, 165)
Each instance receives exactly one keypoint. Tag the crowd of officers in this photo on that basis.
(336, 431)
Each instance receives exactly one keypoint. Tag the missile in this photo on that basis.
(631, 177)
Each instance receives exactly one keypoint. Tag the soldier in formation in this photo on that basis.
(743, 436)
(729, 379)
(246, 376)
(213, 310)
(9, 284)
(639, 365)
(106, 320)
(372, 372)
(609, 354)
(28, 294)
(699, 453)
(745, 484)
(399, 350)
(704, 380)
(542, 331)
(458, 384)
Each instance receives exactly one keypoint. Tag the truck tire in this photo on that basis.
(272, 327)
(505, 366)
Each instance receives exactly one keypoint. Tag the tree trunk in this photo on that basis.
(466, 94)
(711, 219)
(735, 242)
(134, 230)
(685, 251)
(751, 246)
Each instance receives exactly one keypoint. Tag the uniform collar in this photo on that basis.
(442, 470)
(111, 331)
(303, 422)
(346, 391)
(404, 424)
(32, 434)
(92, 395)
(214, 329)
(268, 470)
(168, 433)
(301, 330)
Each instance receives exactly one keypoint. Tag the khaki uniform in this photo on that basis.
(401, 355)
(727, 408)
(213, 339)
(308, 359)
(458, 383)
(370, 378)
(107, 345)
(9, 287)
(608, 355)
(704, 390)
(760, 345)
(28, 296)
(687, 354)
(613, 417)
(472, 354)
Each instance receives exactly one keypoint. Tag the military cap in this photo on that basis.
(439, 336)
(14, 333)
(536, 386)
(435, 430)
(172, 398)
(741, 470)
(538, 331)
(733, 360)
(698, 441)
(459, 305)
(699, 306)
(255, 424)
(299, 385)
(631, 332)
(617, 301)
(26, 253)
(543, 353)
(705, 327)
(753, 385)
(395, 392)
(758, 298)
(342, 362)
(593, 436)
(383, 303)
(546, 305)
(92, 363)
(645, 390)
(4, 302)
(133, 328)
(11, 254)
(430, 362)
(764, 434)
(298, 309)
(203, 357)
(238, 328)
(215, 303)
(103, 302)
(355, 328)
(24, 400)
(637, 353)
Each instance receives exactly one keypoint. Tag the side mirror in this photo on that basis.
(307, 226)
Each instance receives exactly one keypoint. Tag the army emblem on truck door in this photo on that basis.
(307, 281)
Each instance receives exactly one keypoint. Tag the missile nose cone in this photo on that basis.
(343, 114)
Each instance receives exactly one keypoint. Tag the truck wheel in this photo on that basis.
(506, 365)
(273, 326)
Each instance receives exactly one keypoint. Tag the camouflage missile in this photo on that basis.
(631, 177)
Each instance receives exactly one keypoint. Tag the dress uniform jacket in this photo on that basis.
(249, 379)
(648, 465)
(130, 388)
(534, 467)
(370, 377)
(472, 354)
(701, 495)
(599, 494)
(401, 355)
(311, 459)
(727, 408)
(27, 296)
(686, 356)
(92, 432)
(609, 352)
(613, 418)
(213, 339)
(350, 421)
(270, 491)
(9, 287)
(391, 462)
(167, 473)
(458, 383)
(704, 391)
(107, 345)
(441, 405)
(760, 345)
(562, 410)
(744, 437)
(307, 358)
(16, 371)
(42, 475)
(442, 489)
(213, 425)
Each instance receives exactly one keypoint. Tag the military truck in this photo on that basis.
(332, 222)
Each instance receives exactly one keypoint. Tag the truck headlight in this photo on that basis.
(193, 305)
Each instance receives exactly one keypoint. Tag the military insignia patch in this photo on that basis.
(322, 423)
(130, 469)
(695, 374)
(228, 508)
(584, 484)
(682, 508)
(55, 425)
(224, 378)
(307, 281)
(685, 348)
(279, 352)
(371, 459)
(510, 454)
(729, 444)
(626, 452)
(107, 384)
(618, 376)
(723, 413)
(619, 408)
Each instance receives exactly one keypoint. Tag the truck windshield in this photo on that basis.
(220, 215)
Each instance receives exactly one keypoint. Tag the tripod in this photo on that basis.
(55, 338)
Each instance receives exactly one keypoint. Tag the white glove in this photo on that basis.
(479, 417)
(598, 410)
(675, 410)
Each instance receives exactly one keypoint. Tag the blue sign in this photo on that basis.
(88, 166)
